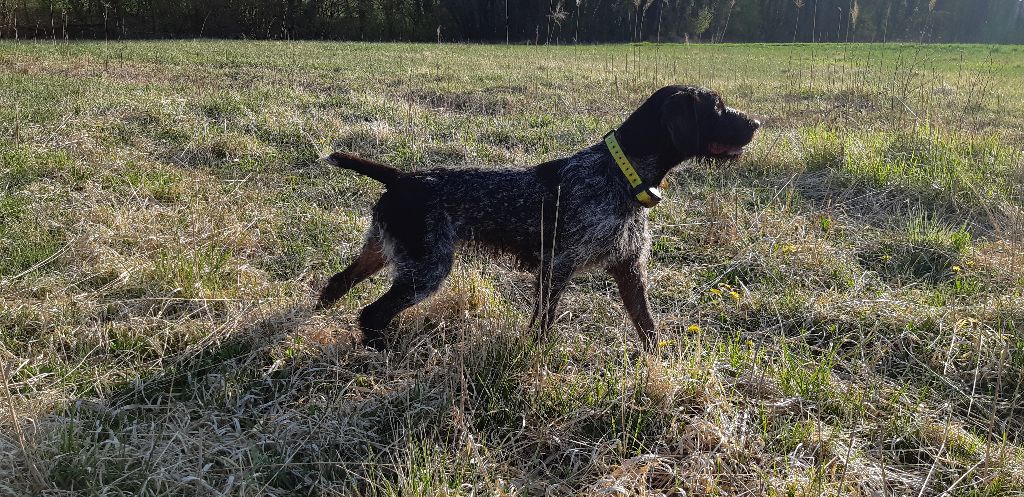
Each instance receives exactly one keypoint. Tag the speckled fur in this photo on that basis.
(556, 218)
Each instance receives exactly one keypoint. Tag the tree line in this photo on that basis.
(523, 21)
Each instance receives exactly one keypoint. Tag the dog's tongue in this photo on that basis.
(721, 149)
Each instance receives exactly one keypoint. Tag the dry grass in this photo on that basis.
(841, 311)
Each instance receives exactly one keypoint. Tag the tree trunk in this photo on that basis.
(814, 22)
(796, 24)
(661, 10)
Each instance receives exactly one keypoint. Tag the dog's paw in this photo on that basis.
(374, 340)
(324, 302)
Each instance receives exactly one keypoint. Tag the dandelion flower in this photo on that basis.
(693, 328)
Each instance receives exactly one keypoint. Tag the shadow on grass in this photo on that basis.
(244, 350)
(375, 423)
(286, 408)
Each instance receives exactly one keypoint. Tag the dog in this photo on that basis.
(583, 211)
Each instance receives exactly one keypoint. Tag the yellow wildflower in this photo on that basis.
(693, 328)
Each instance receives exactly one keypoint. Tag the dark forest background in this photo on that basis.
(523, 21)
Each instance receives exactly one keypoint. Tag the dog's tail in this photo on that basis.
(380, 172)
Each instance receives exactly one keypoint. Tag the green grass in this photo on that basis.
(840, 311)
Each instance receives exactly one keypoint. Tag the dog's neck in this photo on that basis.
(651, 164)
(646, 165)
(647, 145)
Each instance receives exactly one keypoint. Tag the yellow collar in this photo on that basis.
(648, 196)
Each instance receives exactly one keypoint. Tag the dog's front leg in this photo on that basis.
(549, 286)
(631, 278)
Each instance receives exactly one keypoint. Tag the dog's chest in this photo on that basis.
(608, 235)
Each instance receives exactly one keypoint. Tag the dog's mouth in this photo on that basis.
(723, 151)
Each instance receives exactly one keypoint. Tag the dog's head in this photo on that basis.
(678, 123)
(700, 124)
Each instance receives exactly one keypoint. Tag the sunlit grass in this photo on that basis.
(840, 311)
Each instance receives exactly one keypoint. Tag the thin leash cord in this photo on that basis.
(696, 122)
(554, 238)
(540, 276)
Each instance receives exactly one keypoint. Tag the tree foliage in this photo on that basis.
(523, 21)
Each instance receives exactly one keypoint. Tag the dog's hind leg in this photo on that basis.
(631, 277)
(370, 260)
(414, 281)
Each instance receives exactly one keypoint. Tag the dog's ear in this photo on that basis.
(679, 116)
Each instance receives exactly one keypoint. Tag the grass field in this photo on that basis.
(842, 311)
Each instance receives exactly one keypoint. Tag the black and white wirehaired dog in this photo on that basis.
(556, 218)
